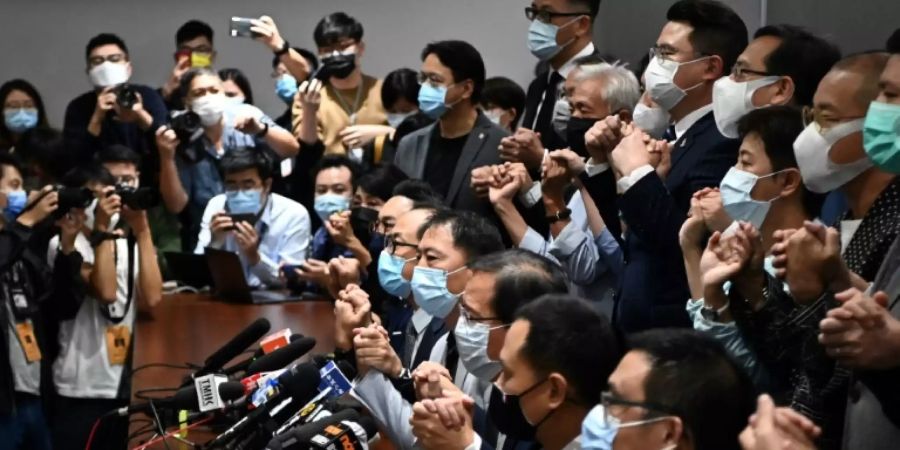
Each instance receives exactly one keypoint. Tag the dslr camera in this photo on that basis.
(186, 125)
(126, 96)
(137, 198)
(70, 198)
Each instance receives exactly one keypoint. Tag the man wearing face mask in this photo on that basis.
(444, 153)
(189, 176)
(697, 46)
(674, 389)
(109, 114)
(347, 112)
(447, 243)
(193, 49)
(266, 230)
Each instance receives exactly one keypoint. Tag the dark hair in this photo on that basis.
(45, 147)
(19, 84)
(381, 181)
(417, 191)
(718, 30)
(104, 39)
(505, 93)
(471, 233)
(7, 159)
(691, 376)
(193, 29)
(336, 26)
(400, 83)
(240, 80)
(309, 56)
(90, 173)
(184, 85)
(893, 42)
(520, 276)
(463, 60)
(337, 160)
(801, 55)
(593, 6)
(118, 153)
(567, 335)
(245, 158)
(411, 124)
(778, 127)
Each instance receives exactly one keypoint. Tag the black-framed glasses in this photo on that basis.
(464, 312)
(666, 53)
(115, 58)
(546, 16)
(654, 410)
(739, 72)
(391, 245)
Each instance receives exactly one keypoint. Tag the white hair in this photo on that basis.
(621, 90)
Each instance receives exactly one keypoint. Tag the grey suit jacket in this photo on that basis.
(479, 150)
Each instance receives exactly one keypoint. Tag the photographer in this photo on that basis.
(115, 112)
(92, 372)
(189, 177)
(193, 48)
(32, 294)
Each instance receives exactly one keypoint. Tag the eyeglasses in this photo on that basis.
(545, 16)
(666, 53)
(339, 47)
(610, 401)
(431, 78)
(391, 245)
(115, 57)
(825, 123)
(739, 71)
(464, 312)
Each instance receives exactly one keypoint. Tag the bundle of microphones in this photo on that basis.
(267, 401)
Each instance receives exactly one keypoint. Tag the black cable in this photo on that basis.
(159, 427)
(140, 394)
(166, 365)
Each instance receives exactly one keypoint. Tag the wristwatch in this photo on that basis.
(562, 214)
(97, 237)
(286, 47)
(264, 131)
(714, 314)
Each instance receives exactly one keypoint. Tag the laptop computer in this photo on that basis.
(188, 269)
(229, 282)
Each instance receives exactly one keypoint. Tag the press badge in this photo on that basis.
(28, 341)
(118, 338)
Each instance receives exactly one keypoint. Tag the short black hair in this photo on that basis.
(381, 181)
(778, 127)
(463, 60)
(88, 173)
(893, 42)
(46, 148)
(400, 84)
(410, 125)
(471, 233)
(240, 80)
(104, 39)
(336, 26)
(417, 191)
(118, 153)
(19, 84)
(7, 159)
(505, 93)
(184, 84)
(691, 375)
(193, 29)
(593, 6)
(520, 276)
(309, 56)
(718, 30)
(567, 335)
(247, 158)
(801, 55)
(338, 160)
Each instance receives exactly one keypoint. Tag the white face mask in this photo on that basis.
(562, 112)
(494, 115)
(732, 100)
(472, 342)
(653, 121)
(395, 119)
(660, 79)
(210, 108)
(108, 74)
(812, 148)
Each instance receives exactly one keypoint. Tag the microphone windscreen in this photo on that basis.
(231, 390)
(301, 382)
(367, 423)
(236, 345)
(282, 357)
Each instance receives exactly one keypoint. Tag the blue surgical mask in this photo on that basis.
(390, 275)
(328, 204)
(244, 201)
(599, 429)
(21, 119)
(542, 39)
(286, 88)
(432, 100)
(472, 342)
(736, 188)
(15, 204)
(429, 288)
(881, 136)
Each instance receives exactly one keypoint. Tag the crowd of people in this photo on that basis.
(697, 253)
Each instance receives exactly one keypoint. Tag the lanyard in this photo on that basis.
(356, 102)
(17, 288)
(130, 282)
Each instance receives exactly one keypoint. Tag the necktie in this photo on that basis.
(551, 94)
(670, 135)
(409, 344)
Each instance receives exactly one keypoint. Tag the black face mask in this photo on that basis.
(376, 246)
(507, 416)
(361, 220)
(575, 130)
(339, 66)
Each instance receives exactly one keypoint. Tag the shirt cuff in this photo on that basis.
(567, 242)
(625, 183)
(476, 442)
(532, 196)
(267, 271)
(591, 168)
(534, 242)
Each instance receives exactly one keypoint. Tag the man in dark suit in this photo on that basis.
(698, 45)
(444, 154)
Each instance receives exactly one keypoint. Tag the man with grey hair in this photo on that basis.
(584, 242)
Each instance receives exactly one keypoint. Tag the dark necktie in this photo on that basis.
(550, 96)
(409, 344)
(670, 135)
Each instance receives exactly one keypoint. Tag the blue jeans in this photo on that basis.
(27, 427)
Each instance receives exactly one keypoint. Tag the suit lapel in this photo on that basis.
(477, 137)
(686, 143)
(421, 151)
(533, 99)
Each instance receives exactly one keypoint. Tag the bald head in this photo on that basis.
(868, 68)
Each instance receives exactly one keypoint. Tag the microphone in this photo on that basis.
(345, 434)
(282, 357)
(235, 346)
(208, 393)
(269, 347)
(299, 437)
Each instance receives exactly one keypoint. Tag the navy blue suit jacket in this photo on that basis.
(653, 289)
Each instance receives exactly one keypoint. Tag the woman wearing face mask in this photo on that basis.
(23, 109)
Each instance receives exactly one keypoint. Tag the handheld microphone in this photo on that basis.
(282, 357)
(206, 394)
(235, 346)
(345, 435)
(262, 350)
(299, 437)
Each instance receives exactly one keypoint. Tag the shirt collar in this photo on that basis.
(689, 120)
(420, 320)
(266, 216)
(570, 64)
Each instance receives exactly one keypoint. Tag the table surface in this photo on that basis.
(187, 328)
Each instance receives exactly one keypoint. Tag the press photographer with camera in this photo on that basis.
(115, 111)
(190, 152)
(92, 371)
